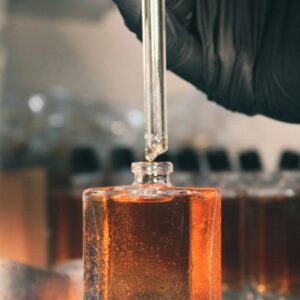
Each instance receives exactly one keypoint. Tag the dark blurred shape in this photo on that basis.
(250, 161)
(22, 282)
(165, 157)
(75, 9)
(187, 160)
(289, 161)
(84, 160)
(218, 160)
(24, 157)
(121, 159)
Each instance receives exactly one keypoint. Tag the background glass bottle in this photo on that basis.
(273, 232)
(233, 250)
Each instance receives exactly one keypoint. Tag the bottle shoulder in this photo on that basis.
(283, 185)
(138, 192)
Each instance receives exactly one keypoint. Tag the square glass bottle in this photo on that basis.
(151, 240)
(273, 232)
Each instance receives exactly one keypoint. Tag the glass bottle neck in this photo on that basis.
(151, 179)
(152, 173)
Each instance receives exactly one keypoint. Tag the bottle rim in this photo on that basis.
(152, 168)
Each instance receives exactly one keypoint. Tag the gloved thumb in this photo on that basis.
(131, 11)
(183, 49)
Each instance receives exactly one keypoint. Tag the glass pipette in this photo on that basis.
(154, 44)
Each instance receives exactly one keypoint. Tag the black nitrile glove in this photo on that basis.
(244, 54)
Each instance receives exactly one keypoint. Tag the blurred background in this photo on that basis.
(71, 114)
(94, 61)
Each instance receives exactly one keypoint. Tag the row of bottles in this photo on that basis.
(273, 232)
(260, 227)
(260, 213)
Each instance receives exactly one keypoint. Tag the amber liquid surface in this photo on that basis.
(167, 247)
(273, 226)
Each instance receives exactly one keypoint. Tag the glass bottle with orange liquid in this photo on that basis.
(233, 209)
(273, 232)
(150, 240)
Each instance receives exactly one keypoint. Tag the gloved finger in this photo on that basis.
(278, 65)
(183, 10)
(184, 52)
(131, 10)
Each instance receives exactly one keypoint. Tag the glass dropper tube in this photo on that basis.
(156, 140)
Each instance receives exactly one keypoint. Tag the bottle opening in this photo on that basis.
(152, 168)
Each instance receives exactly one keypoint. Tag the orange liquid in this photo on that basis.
(273, 225)
(66, 226)
(152, 248)
(233, 243)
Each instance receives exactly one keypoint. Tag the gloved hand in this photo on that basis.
(245, 55)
